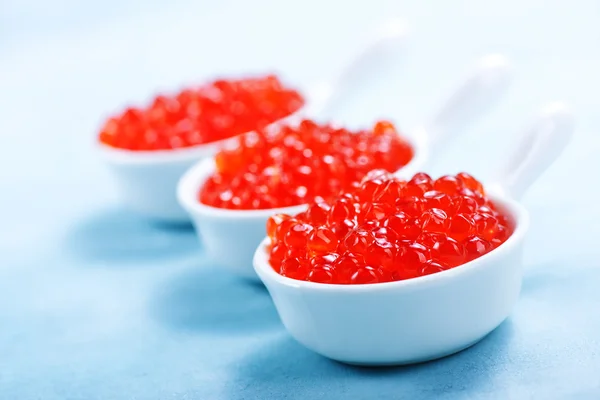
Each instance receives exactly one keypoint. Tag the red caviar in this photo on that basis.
(218, 110)
(386, 229)
(293, 164)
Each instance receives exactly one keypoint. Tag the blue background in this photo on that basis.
(96, 303)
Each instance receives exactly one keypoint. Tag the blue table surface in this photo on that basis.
(97, 303)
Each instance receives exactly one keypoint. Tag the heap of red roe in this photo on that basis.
(386, 229)
(295, 164)
(218, 110)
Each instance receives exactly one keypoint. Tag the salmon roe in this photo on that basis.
(218, 110)
(294, 164)
(386, 229)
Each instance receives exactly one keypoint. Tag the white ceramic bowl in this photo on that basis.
(147, 180)
(231, 236)
(428, 317)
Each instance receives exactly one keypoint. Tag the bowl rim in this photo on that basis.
(518, 213)
(152, 157)
(194, 178)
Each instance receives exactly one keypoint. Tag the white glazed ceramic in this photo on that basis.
(428, 317)
(147, 180)
(231, 236)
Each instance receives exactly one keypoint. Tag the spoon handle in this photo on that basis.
(539, 147)
(364, 68)
(476, 95)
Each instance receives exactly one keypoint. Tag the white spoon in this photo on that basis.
(231, 236)
(428, 317)
(147, 180)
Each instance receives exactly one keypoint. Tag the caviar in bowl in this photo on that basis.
(427, 297)
(230, 197)
(149, 148)
(387, 229)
